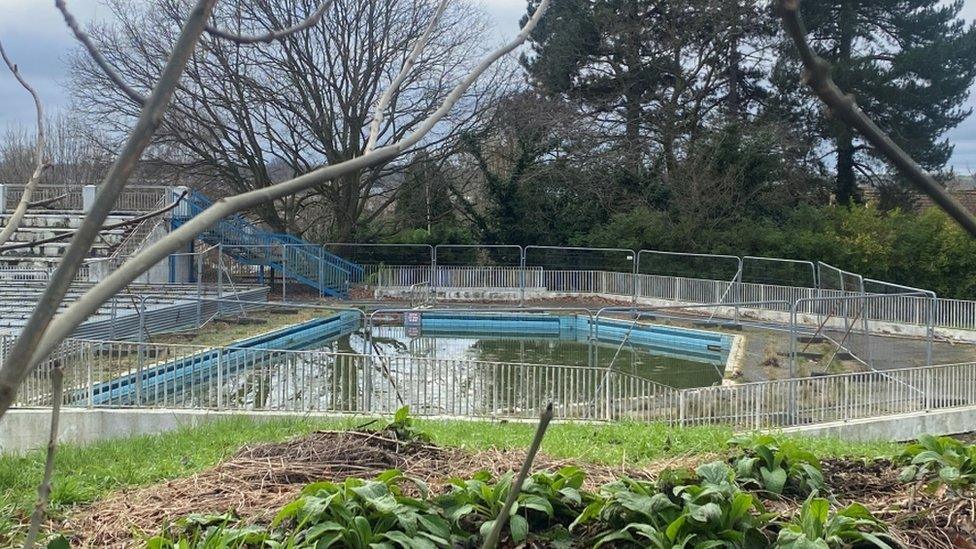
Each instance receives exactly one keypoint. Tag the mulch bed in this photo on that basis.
(260, 479)
(918, 518)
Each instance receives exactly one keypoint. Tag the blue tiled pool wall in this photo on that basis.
(683, 343)
(203, 365)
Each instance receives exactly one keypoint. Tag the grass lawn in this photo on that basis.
(86, 473)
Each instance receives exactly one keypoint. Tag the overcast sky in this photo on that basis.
(36, 38)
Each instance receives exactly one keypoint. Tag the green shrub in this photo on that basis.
(355, 513)
(777, 468)
(474, 504)
(815, 527)
(712, 512)
(402, 427)
(939, 461)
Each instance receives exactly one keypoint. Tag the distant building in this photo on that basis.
(962, 187)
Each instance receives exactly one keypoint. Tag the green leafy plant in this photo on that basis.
(815, 527)
(713, 512)
(402, 427)
(356, 514)
(777, 468)
(939, 461)
(209, 531)
(474, 504)
(360, 514)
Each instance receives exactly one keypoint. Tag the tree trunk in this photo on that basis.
(346, 209)
(846, 187)
(734, 100)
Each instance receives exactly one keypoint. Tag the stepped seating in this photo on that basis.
(249, 244)
(36, 226)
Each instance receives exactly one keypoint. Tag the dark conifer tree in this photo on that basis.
(908, 63)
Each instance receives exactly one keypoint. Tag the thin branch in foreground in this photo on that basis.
(384, 102)
(63, 324)
(44, 203)
(273, 34)
(491, 540)
(96, 55)
(19, 361)
(44, 489)
(39, 163)
(843, 107)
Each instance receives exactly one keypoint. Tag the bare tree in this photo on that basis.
(302, 101)
(39, 163)
(46, 329)
(71, 147)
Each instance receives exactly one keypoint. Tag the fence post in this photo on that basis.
(633, 277)
(220, 273)
(220, 378)
(284, 267)
(847, 398)
(681, 408)
(142, 352)
(737, 291)
(322, 273)
(931, 329)
(433, 270)
(91, 381)
(87, 198)
(199, 258)
(3, 198)
(926, 399)
(521, 276)
(115, 309)
(759, 396)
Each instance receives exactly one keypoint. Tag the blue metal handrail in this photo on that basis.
(247, 243)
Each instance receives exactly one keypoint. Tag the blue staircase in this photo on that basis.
(249, 244)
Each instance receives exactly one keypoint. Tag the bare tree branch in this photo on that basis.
(47, 201)
(274, 34)
(18, 362)
(843, 107)
(381, 105)
(44, 489)
(96, 55)
(491, 540)
(62, 326)
(39, 164)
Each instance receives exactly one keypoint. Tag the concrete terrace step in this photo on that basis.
(17, 300)
(60, 220)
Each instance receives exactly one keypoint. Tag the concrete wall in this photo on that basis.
(27, 428)
(896, 428)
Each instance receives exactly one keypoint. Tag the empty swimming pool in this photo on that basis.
(465, 363)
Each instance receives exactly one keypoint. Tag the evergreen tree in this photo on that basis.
(651, 73)
(908, 63)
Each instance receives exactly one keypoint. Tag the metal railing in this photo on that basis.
(905, 309)
(72, 199)
(842, 397)
(136, 198)
(99, 373)
(144, 198)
